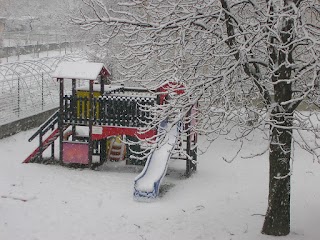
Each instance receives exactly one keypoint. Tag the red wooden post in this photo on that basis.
(60, 120)
(73, 108)
(101, 85)
(90, 122)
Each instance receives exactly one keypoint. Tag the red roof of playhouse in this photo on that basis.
(170, 86)
(83, 70)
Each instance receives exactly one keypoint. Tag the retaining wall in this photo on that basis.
(25, 123)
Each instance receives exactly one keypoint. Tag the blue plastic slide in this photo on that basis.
(147, 183)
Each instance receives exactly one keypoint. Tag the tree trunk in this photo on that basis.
(277, 220)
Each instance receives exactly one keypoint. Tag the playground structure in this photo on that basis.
(110, 112)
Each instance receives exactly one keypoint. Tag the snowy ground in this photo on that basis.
(221, 201)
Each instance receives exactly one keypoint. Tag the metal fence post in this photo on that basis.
(42, 92)
(18, 96)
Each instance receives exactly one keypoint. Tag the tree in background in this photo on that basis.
(30, 15)
(250, 64)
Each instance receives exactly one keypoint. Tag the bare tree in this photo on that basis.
(250, 64)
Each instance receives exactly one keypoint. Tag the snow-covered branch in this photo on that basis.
(238, 59)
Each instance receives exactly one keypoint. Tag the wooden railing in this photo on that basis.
(128, 111)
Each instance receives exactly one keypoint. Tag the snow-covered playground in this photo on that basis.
(220, 201)
(159, 120)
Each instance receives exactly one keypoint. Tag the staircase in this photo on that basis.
(116, 151)
(50, 125)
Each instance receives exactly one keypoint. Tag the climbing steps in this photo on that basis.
(116, 151)
(45, 144)
(50, 125)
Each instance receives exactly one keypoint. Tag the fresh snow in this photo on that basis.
(97, 88)
(78, 70)
(220, 201)
(33, 56)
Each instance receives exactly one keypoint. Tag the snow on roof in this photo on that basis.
(76, 70)
(97, 88)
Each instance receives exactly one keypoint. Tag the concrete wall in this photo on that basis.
(25, 124)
